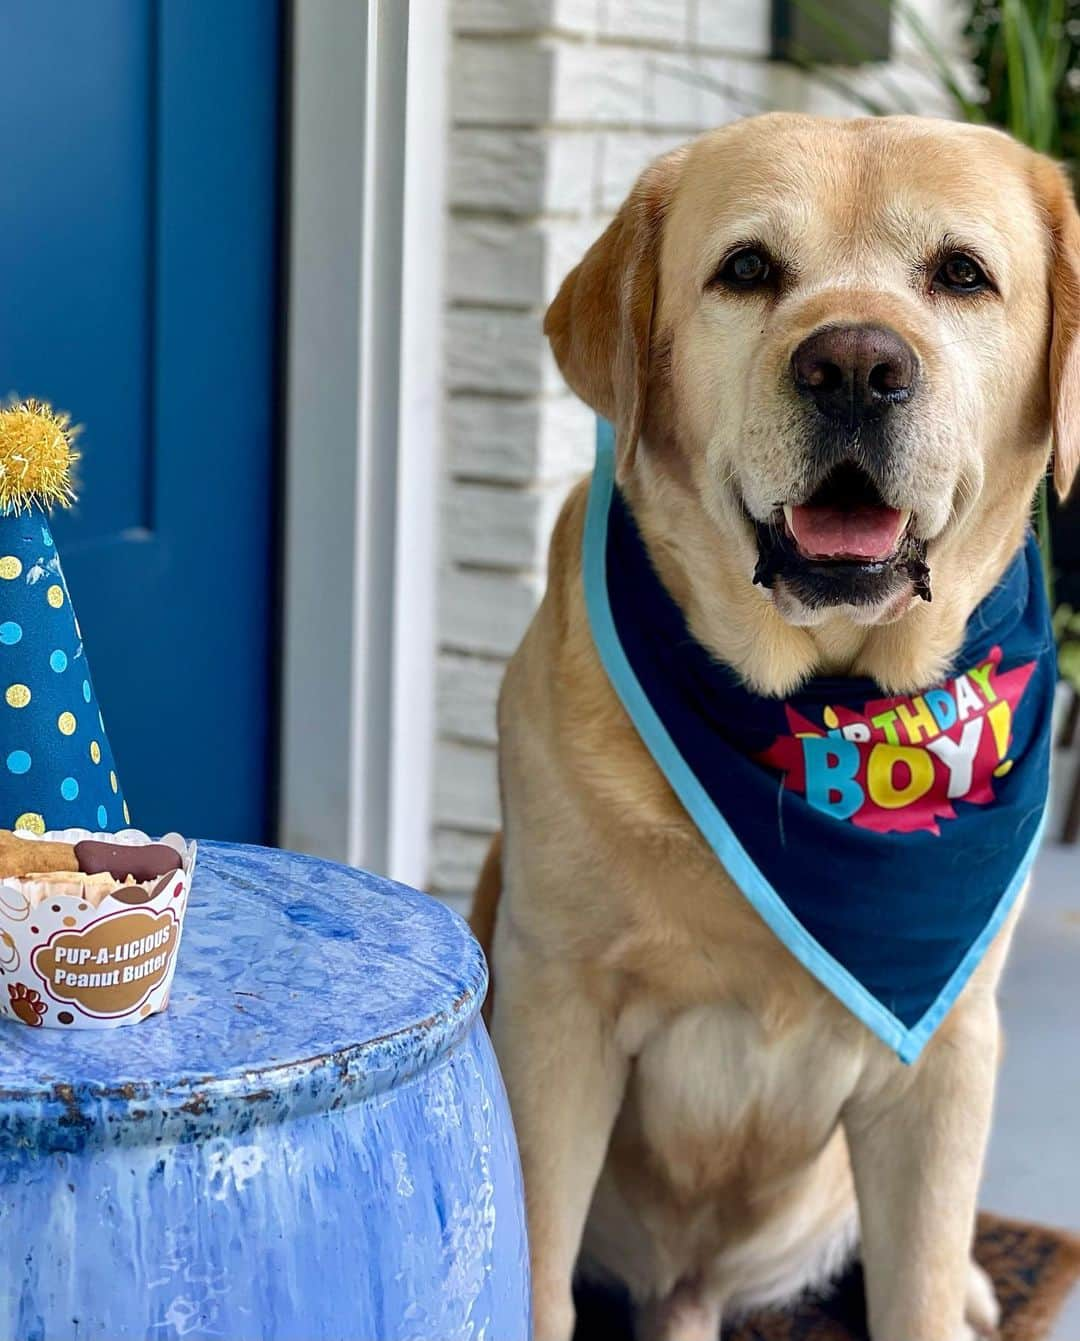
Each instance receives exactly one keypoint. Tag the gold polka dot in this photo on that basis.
(831, 719)
(127, 814)
(69, 921)
(95, 752)
(145, 1010)
(6, 938)
(17, 695)
(10, 567)
(112, 781)
(31, 822)
(66, 722)
(55, 596)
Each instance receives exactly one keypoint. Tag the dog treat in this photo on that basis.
(89, 870)
(19, 856)
(118, 863)
(142, 862)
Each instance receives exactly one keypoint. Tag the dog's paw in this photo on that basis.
(981, 1310)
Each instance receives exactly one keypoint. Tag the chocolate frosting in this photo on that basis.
(145, 862)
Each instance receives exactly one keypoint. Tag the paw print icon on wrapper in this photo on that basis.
(56, 764)
(26, 1003)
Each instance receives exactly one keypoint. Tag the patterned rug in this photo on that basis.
(1033, 1270)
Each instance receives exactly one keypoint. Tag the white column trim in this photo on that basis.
(364, 389)
(420, 434)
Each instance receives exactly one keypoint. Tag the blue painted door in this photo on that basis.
(138, 291)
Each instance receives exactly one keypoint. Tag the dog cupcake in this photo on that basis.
(90, 925)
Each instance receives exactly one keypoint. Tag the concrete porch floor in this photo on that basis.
(1033, 1168)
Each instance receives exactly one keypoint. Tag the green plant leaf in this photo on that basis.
(1040, 100)
(1015, 71)
(1069, 663)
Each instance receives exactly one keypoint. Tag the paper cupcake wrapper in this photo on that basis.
(66, 964)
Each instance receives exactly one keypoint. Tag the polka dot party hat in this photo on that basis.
(56, 765)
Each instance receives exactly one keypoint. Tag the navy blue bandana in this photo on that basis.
(883, 838)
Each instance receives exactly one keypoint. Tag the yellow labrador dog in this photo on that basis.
(696, 1114)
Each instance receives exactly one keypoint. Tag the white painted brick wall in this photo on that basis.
(518, 16)
(466, 788)
(521, 171)
(721, 25)
(468, 693)
(661, 21)
(486, 612)
(455, 858)
(518, 440)
(556, 107)
(495, 82)
(492, 350)
(507, 262)
(620, 158)
(498, 526)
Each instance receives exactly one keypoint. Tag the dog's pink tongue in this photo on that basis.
(845, 533)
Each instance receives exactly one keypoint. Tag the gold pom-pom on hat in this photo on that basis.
(36, 458)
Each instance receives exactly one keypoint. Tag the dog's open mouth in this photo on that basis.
(844, 546)
(846, 519)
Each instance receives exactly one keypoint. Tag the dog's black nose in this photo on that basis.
(854, 373)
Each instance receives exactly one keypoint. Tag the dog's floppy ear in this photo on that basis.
(1064, 224)
(600, 324)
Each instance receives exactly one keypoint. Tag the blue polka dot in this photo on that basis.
(46, 535)
(69, 789)
(86, 691)
(102, 817)
(10, 633)
(58, 661)
(18, 761)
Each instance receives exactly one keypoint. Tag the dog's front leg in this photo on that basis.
(917, 1145)
(565, 1078)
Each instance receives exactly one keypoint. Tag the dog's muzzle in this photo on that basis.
(845, 544)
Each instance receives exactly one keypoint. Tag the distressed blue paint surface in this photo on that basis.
(312, 1142)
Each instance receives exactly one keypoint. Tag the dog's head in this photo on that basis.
(847, 341)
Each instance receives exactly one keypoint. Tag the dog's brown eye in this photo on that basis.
(746, 269)
(961, 274)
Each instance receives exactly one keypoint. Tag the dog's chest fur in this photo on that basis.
(727, 1152)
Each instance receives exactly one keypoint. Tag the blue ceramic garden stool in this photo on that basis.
(311, 1144)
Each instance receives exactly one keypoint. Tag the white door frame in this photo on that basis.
(364, 381)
